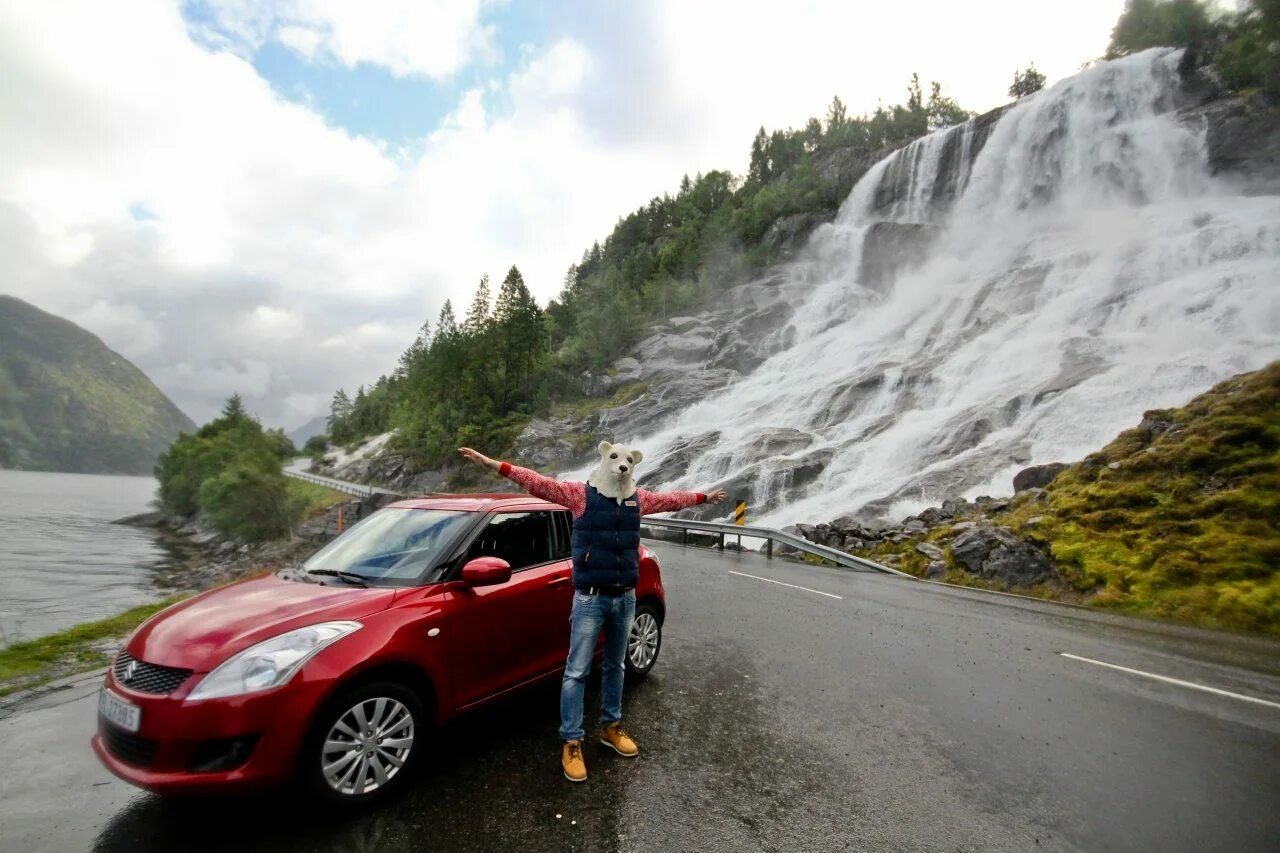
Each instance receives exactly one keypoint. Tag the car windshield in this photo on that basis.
(392, 544)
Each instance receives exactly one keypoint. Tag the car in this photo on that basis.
(331, 673)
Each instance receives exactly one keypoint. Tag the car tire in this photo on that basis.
(644, 641)
(381, 755)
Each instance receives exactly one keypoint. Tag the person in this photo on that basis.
(606, 566)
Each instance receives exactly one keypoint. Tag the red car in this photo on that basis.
(333, 671)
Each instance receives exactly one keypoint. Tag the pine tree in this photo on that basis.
(478, 315)
(234, 410)
(446, 325)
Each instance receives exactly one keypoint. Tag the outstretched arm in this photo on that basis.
(572, 496)
(651, 502)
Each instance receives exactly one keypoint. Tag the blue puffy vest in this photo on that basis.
(606, 542)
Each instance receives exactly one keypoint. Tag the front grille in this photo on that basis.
(129, 748)
(147, 677)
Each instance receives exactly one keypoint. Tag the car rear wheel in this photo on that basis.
(364, 744)
(644, 642)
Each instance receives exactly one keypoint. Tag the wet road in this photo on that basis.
(881, 715)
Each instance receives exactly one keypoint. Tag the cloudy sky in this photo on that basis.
(270, 198)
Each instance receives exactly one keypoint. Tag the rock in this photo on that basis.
(627, 369)
(890, 248)
(970, 548)
(935, 569)
(914, 525)
(1017, 564)
(596, 385)
(808, 531)
(931, 516)
(143, 519)
(789, 233)
(953, 507)
(930, 550)
(1242, 141)
(1037, 476)
(997, 553)
(1114, 466)
(963, 525)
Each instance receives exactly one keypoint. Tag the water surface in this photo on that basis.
(62, 561)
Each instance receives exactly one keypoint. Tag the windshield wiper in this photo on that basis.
(349, 577)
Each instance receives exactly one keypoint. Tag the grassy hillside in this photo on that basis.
(68, 403)
(1179, 517)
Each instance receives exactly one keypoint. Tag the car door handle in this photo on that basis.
(563, 579)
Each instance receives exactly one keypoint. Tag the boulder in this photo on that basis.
(997, 553)
(1037, 476)
(930, 550)
(931, 516)
(935, 569)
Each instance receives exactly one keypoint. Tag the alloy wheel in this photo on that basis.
(367, 746)
(642, 644)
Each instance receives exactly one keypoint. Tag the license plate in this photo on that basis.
(115, 710)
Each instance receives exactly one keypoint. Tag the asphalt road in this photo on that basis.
(883, 715)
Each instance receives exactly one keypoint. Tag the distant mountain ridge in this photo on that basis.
(70, 403)
(316, 426)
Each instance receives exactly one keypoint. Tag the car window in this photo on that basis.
(393, 544)
(521, 538)
(564, 530)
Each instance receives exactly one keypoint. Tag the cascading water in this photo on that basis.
(1082, 267)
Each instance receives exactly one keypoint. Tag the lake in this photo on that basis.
(62, 561)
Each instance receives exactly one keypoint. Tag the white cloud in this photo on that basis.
(288, 257)
(432, 38)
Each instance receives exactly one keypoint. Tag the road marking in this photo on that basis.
(780, 583)
(1177, 681)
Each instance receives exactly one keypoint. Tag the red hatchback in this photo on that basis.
(334, 671)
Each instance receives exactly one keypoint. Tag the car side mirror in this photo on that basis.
(486, 571)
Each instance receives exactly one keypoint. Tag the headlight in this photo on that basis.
(271, 662)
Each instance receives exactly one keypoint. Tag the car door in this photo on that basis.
(500, 637)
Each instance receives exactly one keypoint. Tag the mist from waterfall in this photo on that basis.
(1082, 266)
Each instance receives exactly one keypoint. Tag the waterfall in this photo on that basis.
(1076, 264)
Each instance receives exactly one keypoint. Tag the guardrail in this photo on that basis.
(354, 489)
(770, 535)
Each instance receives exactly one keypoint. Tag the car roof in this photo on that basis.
(483, 502)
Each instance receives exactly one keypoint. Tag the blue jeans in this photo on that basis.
(590, 615)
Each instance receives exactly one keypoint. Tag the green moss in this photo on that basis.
(32, 663)
(1178, 521)
(587, 406)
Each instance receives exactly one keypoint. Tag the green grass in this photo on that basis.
(34, 662)
(310, 499)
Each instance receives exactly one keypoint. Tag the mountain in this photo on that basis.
(315, 426)
(69, 403)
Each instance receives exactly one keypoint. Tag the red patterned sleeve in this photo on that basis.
(651, 502)
(571, 496)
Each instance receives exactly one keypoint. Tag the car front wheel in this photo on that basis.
(364, 744)
(644, 642)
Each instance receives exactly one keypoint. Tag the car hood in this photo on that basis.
(202, 632)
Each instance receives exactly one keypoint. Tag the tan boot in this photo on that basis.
(575, 766)
(613, 736)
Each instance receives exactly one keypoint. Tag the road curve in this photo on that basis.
(794, 708)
